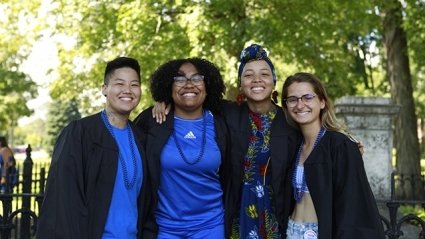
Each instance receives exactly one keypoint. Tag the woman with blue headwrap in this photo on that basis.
(263, 146)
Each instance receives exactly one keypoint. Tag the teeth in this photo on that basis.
(257, 89)
(126, 99)
(189, 94)
(302, 113)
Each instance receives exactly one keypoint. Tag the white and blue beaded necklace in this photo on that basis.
(128, 185)
(299, 191)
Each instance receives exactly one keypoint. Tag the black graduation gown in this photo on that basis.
(81, 182)
(337, 181)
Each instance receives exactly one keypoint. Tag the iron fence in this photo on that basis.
(21, 202)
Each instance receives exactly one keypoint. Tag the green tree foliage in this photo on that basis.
(146, 30)
(16, 88)
(60, 115)
(31, 133)
(415, 28)
(298, 33)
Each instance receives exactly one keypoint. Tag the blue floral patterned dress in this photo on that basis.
(256, 217)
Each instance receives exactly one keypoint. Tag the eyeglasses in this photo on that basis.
(292, 101)
(195, 79)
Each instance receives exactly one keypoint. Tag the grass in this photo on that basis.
(417, 210)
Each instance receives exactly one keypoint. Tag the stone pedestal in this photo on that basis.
(369, 119)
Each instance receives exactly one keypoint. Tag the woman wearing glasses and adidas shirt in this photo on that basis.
(186, 153)
(331, 191)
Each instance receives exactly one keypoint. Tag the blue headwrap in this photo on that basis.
(254, 52)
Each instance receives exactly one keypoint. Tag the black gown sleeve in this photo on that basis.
(355, 211)
(64, 213)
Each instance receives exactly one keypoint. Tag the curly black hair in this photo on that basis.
(162, 79)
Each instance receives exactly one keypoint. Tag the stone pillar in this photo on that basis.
(369, 119)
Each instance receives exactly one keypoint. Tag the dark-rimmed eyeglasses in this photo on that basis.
(195, 79)
(292, 101)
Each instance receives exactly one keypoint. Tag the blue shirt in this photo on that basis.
(190, 195)
(123, 214)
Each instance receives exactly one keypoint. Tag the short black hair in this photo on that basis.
(161, 81)
(120, 62)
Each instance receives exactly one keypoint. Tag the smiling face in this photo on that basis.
(257, 82)
(188, 98)
(122, 91)
(304, 113)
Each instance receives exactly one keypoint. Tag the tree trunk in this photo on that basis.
(406, 137)
(422, 125)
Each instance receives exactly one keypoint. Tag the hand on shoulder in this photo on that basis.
(160, 111)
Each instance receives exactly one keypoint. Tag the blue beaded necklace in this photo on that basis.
(204, 141)
(299, 191)
(128, 185)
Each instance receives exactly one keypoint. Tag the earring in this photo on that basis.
(240, 98)
(275, 94)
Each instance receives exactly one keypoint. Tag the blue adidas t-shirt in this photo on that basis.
(190, 195)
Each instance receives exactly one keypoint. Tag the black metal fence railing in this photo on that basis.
(393, 225)
(21, 205)
(21, 202)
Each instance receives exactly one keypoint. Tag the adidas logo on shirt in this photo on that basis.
(190, 135)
